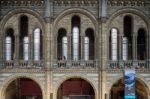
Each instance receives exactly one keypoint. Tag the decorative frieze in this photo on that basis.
(128, 2)
(22, 2)
(75, 2)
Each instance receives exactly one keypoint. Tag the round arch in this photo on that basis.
(118, 32)
(75, 10)
(80, 77)
(129, 10)
(144, 29)
(10, 79)
(22, 10)
(90, 28)
(139, 80)
(61, 28)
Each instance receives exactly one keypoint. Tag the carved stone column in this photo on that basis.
(30, 49)
(147, 46)
(69, 36)
(48, 8)
(17, 44)
(134, 46)
(148, 52)
(120, 46)
(82, 47)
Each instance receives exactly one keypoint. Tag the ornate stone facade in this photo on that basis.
(128, 2)
(52, 15)
(22, 2)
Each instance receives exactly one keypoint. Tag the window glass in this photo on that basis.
(64, 47)
(8, 47)
(75, 43)
(26, 48)
(86, 48)
(114, 44)
(37, 44)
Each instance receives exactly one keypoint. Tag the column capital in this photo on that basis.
(134, 34)
(16, 34)
(121, 35)
(82, 35)
(69, 34)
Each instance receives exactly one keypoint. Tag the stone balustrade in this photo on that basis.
(22, 64)
(139, 66)
(75, 64)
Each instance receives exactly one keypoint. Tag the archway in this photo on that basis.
(75, 88)
(117, 90)
(23, 88)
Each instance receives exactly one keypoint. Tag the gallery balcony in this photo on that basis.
(21, 64)
(139, 66)
(75, 64)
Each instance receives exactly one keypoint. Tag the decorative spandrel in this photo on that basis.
(128, 2)
(22, 2)
(75, 2)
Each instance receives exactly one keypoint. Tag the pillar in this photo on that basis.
(17, 46)
(82, 47)
(134, 47)
(69, 35)
(148, 52)
(48, 8)
(103, 8)
(120, 46)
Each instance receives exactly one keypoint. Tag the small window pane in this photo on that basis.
(114, 44)
(75, 43)
(37, 44)
(26, 48)
(125, 48)
(86, 48)
(8, 48)
(64, 47)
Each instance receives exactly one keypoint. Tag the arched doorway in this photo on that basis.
(117, 90)
(23, 88)
(75, 88)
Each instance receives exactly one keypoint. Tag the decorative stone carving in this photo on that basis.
(128, 2)
(75, 2)
(22, 2)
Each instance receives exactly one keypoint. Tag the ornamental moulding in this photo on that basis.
(128, 2)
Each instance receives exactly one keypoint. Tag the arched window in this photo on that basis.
(141, 45)
(26, 48)
(75, 43)
(23, 34)
(76, 38)
(86, 48)
(89, 42)
(124, 48)
(113, 44)
(64, 47)
(8, 48)
(128, 36)
(62, 43)
(37, 44)
(9, 44)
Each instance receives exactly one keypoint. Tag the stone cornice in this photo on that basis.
(128, 2)
(75, 2)
(22, 2)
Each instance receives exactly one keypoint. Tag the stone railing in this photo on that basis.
(139, 66)
(75, 64)
(22, 64)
